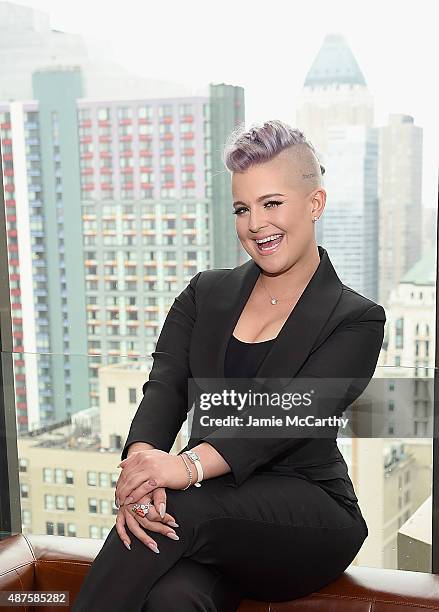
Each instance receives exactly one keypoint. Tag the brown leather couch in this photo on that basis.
(44, 563)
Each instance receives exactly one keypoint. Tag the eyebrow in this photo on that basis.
(264, 197)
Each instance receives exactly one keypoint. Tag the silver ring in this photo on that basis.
(144, 507)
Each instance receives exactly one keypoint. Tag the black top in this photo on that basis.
(242, 359)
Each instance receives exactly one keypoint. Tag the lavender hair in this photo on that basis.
(262, 143)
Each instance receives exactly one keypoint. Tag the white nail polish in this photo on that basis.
(127, 545)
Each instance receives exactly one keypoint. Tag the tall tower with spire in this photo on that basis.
(335, 111)
(334, 93)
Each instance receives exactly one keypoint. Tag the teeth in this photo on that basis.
(268, 238)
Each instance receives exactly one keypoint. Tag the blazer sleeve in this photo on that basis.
(164, 408)
(350, 352)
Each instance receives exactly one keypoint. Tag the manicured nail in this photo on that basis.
(127, 545)
(154, 547)
(173, 524)
(162, 509)
(129, 500)
(172, 535)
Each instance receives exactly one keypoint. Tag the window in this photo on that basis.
(118, 201)
(49, 502)
(104, 479)
(91, 479)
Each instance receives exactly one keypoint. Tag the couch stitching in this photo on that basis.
(64, 562)
(26, 608)
(374, 600)
(14, 569)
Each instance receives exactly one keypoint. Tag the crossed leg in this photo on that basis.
(273, 538)
(190, 586)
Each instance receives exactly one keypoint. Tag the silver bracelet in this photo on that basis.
(189, 474)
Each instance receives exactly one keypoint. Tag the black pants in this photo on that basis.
(274, 538)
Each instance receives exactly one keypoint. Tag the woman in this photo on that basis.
(274, 518)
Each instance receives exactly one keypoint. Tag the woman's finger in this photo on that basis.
(120, 528)
(156, 526)
(152, 513)
(159, 499)
(137, 530)
(144, 488)
(136, 480)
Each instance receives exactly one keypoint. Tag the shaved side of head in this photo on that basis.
(306, 175)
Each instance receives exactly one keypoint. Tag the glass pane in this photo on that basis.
(116, 195)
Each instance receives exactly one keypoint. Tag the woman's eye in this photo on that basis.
(276, 203)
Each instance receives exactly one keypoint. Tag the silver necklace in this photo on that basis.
(273, 300)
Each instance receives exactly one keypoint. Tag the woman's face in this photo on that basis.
(287, 211)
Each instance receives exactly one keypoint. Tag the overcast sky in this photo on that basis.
(268, 46)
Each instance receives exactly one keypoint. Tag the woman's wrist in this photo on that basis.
(191, 473)
(139, 446)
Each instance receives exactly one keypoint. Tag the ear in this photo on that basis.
(318, 202)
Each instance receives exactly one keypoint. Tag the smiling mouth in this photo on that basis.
(269, 246)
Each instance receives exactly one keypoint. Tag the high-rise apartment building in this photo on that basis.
(112, 219)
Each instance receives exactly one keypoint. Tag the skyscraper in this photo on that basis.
(335, 111)
(334, 93)
(109, 208)
(400, 186)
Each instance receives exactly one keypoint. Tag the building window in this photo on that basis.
(399, 333)
(24, 490)
(111, 394)
(69, 477)
(49, 528)
(104, 479)
(26, 518)
(92, 505)
(91, 479)
(70, 503)
(23, 465)
(71, 530)
(60, 502)
(60, 529)
(47, 475)
(49, 502)
(103, 114)
(132, 395)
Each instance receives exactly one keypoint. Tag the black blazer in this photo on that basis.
(332, 332)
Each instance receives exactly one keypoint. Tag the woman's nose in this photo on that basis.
(255, 224)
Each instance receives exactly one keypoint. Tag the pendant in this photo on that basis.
(273, 301)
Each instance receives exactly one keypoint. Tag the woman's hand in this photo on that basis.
(153, 521)
(144, 471)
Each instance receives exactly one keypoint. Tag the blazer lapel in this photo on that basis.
(225, 302)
